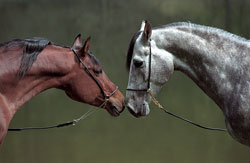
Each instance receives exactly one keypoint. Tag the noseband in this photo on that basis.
(106, 97)
(156, 102)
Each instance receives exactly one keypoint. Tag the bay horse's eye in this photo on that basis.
(98, 71)
(138, 63)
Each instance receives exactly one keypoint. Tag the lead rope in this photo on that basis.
(157, 103)
(73, 122)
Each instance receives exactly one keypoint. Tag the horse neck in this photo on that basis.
(53, 64)
(202, 54)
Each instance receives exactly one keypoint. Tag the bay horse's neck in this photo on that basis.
(48, 71)
(212, 58)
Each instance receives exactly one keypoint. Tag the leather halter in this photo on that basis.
(94, 78)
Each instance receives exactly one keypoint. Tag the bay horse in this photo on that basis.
(216, 60)
(30, 66)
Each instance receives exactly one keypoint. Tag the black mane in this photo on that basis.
(95, 60)
(33, 46)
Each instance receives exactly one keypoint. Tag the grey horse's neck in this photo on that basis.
(216, 60)
(219, 63)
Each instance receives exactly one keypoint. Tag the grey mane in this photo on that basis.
(205, 28)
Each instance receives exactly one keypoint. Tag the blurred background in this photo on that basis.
(102, 138)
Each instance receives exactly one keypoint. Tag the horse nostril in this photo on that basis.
(119, 109)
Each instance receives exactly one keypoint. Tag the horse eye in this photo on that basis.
(98, 72)
(138, 63)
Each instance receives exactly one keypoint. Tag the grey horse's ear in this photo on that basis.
(142, 25)
(147, 30)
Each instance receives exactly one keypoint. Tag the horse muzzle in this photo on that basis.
(138, 110)
(115, 104)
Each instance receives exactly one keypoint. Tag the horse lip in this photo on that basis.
(114, 111)
(137, 115)
(133, 113)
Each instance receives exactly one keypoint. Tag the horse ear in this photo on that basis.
(142, 25)
(77, 43)
(147, 30)
(86, 45)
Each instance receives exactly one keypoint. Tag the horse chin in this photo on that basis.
(113, 112)
(138, 112)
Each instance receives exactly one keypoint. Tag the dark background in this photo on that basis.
(102, 138)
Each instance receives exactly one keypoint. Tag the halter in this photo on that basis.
(85, 115)
(106, 97)
(148, 90)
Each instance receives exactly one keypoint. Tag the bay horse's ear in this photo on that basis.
(86, 45)
(77, 43)
(147, 30)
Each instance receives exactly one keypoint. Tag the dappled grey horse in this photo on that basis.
(217, 61)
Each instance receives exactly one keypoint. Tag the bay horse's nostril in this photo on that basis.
(118, 108)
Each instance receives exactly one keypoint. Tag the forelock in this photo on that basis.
(131, 49)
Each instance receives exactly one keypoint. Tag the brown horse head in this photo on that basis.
(30, 66)
(90, 84)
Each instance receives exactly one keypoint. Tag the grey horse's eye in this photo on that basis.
(138, 63)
